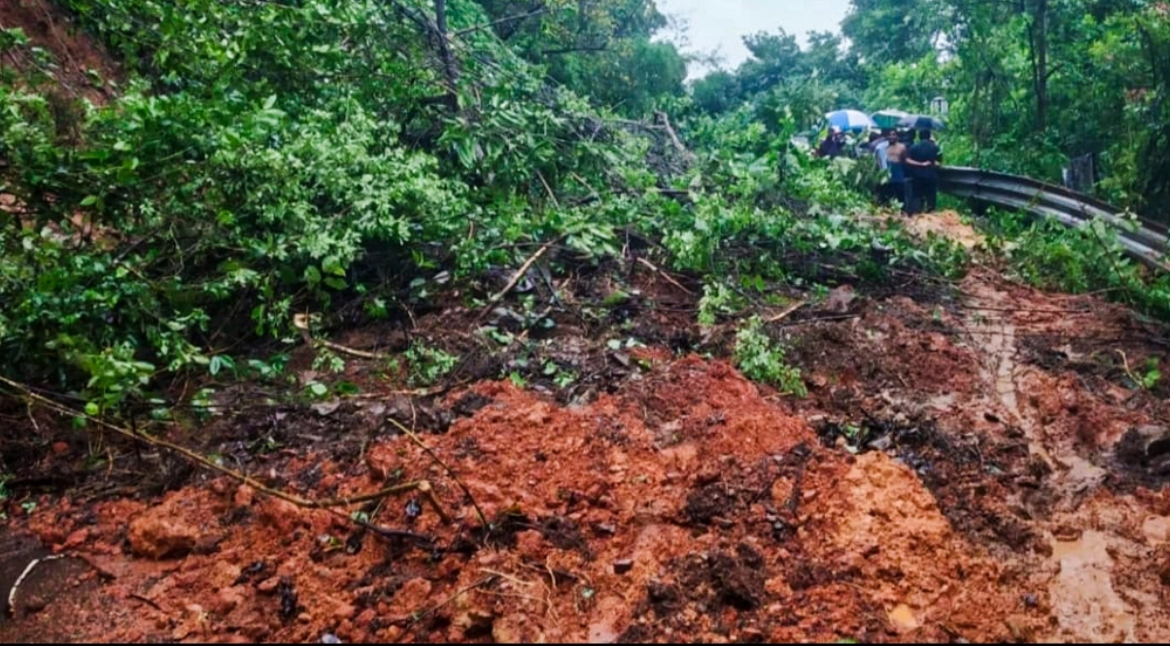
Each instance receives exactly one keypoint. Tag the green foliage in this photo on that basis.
(428, 365)
(265, 158)
(1078, 260)
(760, 358)
(1152, 375)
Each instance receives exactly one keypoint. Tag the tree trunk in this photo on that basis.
(1040, 66)
(451, 72)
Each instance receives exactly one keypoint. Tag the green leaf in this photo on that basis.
(331, 265)
(92, 409)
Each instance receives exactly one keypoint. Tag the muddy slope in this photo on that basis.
(978, 464)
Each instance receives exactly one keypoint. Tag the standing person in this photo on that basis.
(879, 145)
(833, 145)
(896, 151)
(923, 161)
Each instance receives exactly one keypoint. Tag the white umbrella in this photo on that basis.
(854, 120)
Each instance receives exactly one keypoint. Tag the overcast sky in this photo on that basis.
(722, 24)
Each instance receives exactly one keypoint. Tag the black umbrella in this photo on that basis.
(921, 122)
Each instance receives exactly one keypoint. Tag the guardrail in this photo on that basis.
(1148, 244)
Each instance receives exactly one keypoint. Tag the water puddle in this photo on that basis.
(1084, 601)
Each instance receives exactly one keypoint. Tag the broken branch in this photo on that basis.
(786, 312)
(329, 505)
(665, 275)
(517, 276)
(451, 472)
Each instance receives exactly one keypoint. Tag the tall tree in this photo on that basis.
(887, 31)
(601, 48)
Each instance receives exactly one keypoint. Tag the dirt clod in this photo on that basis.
(159, 534)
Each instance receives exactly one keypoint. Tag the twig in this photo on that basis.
(31, 417)
(1125, 365)
(147, 600)
(415, 617)
(665, 275)
(786, 312)
(429, 493)
(516, 277)
(301, 322)
(328, 505)
(506, 19)
(673, 137)
(552, 196)
(451, 472)
(825, 319)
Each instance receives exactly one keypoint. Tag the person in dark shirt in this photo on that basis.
(922, 164)
(833, 145)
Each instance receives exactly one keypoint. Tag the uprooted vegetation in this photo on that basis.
(498, 362)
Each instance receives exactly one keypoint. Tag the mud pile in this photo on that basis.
(683, 507)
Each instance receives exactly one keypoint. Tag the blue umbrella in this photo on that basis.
(850, 120)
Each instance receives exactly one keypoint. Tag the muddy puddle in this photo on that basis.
(970, 469)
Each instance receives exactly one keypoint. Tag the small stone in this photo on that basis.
(902, 618)
(1031, 601)
(622, 566)
(330, 638)
(605, 528)
(226, 600)
(154, 535)
(305, 618)
(244, 496)
(77, 539)
(344, 611)
(269, 585)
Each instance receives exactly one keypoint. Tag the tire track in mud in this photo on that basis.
(1083, 597)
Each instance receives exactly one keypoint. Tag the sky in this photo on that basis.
(722, 24)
